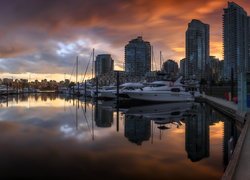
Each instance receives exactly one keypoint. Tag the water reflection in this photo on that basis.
(73, 138)
(103, 116)
(197, 134)
(137, 129)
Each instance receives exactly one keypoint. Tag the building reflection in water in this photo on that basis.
(137, 129)
(197, 134)
(103, 116)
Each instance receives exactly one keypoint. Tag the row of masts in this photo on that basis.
(77, 70)
(153, 63)
(93, 61)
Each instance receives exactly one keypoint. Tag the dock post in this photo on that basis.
(96, 90)
(85, 90)
(117, 86)
(78, 89)
(117, 100)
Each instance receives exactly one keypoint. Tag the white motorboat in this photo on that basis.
(111, 91)
(104, 92)
(128, 87)
(171, 94)
(3, 89)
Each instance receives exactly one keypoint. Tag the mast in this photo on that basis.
(153, 59)
(77, 75)
(93, 62)
(76, 69)
(152, 64)
(160, 61)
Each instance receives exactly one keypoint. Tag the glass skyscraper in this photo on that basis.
(236, 40)
(138, 57)
(197, 49)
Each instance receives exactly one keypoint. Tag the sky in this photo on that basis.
(41, 38)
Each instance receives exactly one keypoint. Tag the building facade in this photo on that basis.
(138, 57)
(197, 49)
(103, 64)
(236, 40)
(170, 67)
(182, 66)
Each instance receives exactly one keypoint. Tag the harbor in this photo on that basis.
(161, 105)
(135, 89)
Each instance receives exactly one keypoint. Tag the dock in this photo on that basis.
(239, 166)
(227, 107)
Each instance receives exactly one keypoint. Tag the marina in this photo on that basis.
(125, 89)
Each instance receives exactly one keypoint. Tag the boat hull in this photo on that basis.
(161, 96)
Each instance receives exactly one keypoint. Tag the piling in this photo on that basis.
(97, 84)
(85, 91)
(117, 100)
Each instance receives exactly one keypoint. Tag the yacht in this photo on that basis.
(3, 89)
(111, 91)
(171, 94)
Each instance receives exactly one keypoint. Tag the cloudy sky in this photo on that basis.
(41, 38)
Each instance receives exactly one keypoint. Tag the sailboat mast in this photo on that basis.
(153, 59)
(93, 62)
(160, 61)
(76, 69)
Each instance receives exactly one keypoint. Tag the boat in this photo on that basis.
(104, 92)
(128, 87)
(110, 92)
(172, 94)
(3, 89)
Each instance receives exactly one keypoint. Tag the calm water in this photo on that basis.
(51, 136)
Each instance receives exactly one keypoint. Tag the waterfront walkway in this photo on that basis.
(227, 107)
(239, 165)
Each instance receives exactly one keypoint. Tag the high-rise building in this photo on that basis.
(248, 43)
(170, 67)
(138, 57)
(235, 38)
(197, 49)
(103, 64)
(182, 66)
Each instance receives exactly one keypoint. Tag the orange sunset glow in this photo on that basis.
(44, 37)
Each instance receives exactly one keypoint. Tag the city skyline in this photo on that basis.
(44, 38)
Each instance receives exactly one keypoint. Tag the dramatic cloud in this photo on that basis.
(40, 36)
